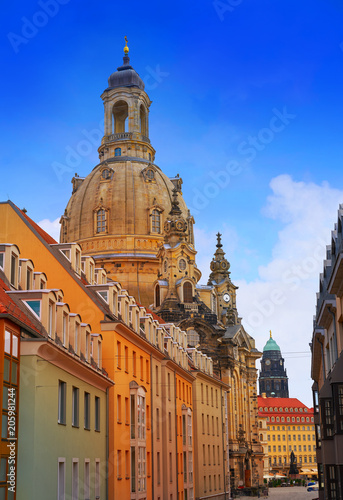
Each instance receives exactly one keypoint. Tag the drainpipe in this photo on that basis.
(177, 471)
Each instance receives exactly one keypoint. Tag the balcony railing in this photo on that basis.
(122, 136)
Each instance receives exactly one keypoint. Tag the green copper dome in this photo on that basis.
(271, 345)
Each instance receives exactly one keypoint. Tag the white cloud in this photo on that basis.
(51, 227)
(283, 297)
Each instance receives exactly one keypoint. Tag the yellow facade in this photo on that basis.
(211, 466)
(290, 427)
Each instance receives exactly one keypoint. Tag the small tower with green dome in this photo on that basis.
(273, 380)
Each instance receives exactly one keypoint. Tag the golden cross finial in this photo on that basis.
(126, 48)
(270, 333)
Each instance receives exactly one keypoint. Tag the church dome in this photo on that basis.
(271, 345)
(125, 76)
(128, 191)
(117, 213)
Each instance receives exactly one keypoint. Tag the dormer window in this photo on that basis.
(150, 174)
(35, 306)
(117, 152)
(14, 270)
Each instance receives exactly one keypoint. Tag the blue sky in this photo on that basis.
(220, 75)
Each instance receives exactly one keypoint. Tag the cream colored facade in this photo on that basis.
(211, 446)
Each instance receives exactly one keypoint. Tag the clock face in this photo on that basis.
(268, 362)
(226, 297)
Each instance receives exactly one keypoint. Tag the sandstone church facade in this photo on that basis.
(131, 218)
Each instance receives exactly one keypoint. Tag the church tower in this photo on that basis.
(220, 280)
(117, 213)
(273, 380)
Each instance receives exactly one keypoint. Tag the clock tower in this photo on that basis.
(273, 380)
(225, 290)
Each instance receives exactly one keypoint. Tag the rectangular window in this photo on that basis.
(203, 423)
(147, 371)
(141, 362)
(119, 408)
(62, 394)
(127, 465)
(169, 389)
(190, 467)
(87, 402)
(126, 359)
(97, 480)
(75, 407)
(1, 260)
(170, 467)
(119, 355)
(87, 479)
(185, 466)
(189, 429)
(97, 414)
(158, 468)
(118, 464)
(133, 469)
(156, 381)
(157, 423)
(13, 269)
(61, 480)
(133, 418)
(184, 429)
(75, 480)
(127, 414)
(170, 426)
(327, 417)
(134, 364)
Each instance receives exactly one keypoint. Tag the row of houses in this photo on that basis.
(327, 369)
(101, 399)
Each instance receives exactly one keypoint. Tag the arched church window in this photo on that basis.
(101, 221)
(157, 296)
(155, 221)
(187, 292)
(120, 117)
(117, 152)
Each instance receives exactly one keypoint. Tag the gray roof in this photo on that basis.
(125, 76)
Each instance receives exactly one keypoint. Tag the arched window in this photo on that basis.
(157, 296)
(155, 221)
(101, 220)
(120, 117)
(117, 152)
(142, 117)
(187, 292)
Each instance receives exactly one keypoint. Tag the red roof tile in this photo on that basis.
(281, 403)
